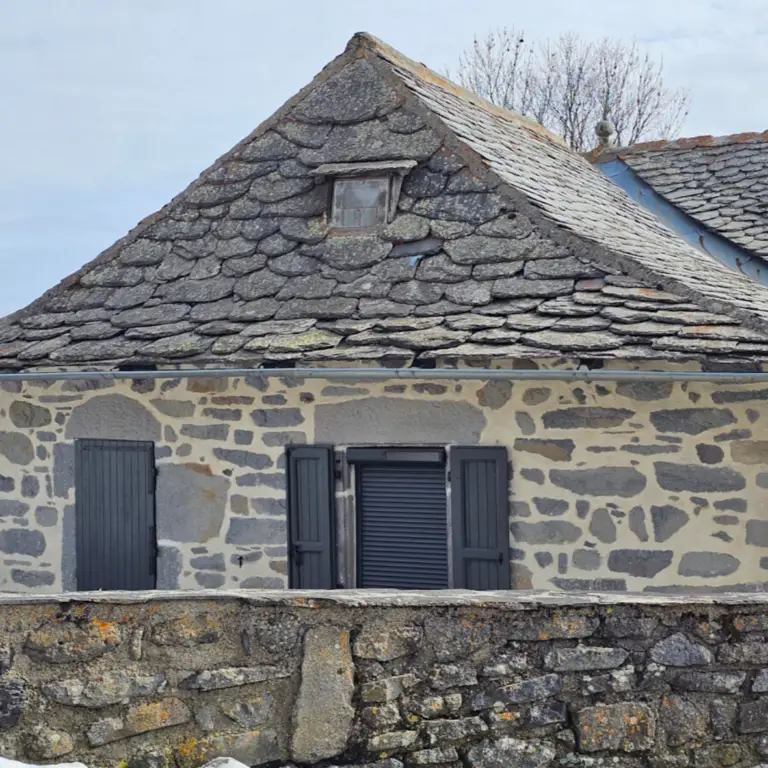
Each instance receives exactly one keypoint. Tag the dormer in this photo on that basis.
(364, 196)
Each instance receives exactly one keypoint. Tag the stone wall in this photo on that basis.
(352, 678)
(614, 485)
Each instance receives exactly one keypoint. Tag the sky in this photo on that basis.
(109, 109)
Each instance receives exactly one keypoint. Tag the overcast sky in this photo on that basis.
(108, 109)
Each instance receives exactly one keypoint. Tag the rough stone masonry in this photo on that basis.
(387, 680)
(614, 486)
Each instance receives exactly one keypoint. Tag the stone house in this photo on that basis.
(396, 337)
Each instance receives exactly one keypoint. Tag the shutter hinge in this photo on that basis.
(338, 473)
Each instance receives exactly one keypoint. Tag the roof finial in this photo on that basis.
(604, 130)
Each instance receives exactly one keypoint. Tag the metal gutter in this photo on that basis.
(720, 248)
(387, 374)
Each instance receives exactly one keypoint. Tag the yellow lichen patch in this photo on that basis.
(750, 623)
(187, 748)
(194, 752)
(317, 339)
(66, 641)
(159, 714)
(188, 630)
(105, 628)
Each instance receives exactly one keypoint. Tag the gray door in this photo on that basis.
(115, 514)
(402, 526)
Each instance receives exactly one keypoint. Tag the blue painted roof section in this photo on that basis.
(720, 248)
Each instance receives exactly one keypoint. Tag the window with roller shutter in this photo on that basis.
(428, 518)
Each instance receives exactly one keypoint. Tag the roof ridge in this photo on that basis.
(690, 142)
(547, 212)
(393, 56)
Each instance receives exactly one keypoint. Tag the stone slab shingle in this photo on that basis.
(506, 243)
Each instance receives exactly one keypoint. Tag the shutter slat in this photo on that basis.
(480, 512)
(403, 540)
(311, 517)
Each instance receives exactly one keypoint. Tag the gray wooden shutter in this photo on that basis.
(480, 516)
(402, 526)
(311, 517)
(115, 514)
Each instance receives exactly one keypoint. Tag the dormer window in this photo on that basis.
(359, 203)
(365, 195)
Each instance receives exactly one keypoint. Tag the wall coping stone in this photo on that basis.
(517, 600)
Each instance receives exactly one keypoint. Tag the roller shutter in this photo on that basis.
(402, 526)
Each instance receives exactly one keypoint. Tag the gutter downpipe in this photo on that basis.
(373, 374)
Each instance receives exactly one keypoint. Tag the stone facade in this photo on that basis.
(365, 679)
(614, 486)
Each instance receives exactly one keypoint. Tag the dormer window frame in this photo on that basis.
(377, 183)
(391, 171)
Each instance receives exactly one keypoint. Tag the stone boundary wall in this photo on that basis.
(390, 679)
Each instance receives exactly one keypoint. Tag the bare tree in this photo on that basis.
(569, 85)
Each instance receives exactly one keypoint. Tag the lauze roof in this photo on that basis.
(506, 244)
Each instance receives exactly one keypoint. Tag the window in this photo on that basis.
(360, 203)
(365, 195)
(422, 518)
